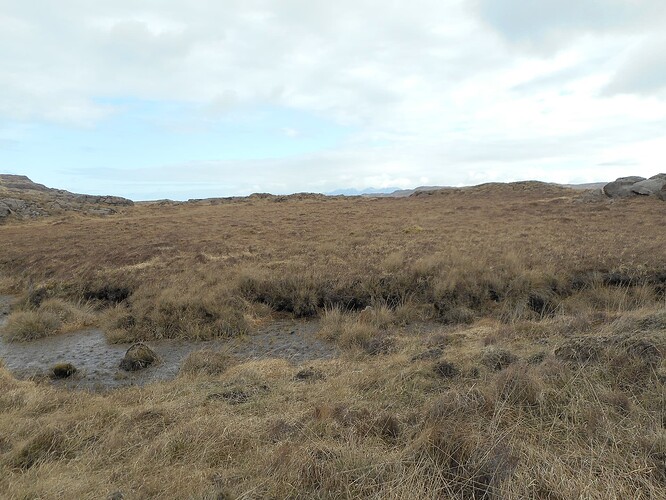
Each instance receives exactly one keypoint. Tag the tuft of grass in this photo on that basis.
(349, 330)
(63, 370)
(47, 445)
(205, 362)
(519, 384)
(72, 316)
(53, 316)
(171, 314)
(30, 325)
(497, 358)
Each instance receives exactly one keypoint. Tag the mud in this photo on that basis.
(97, 361)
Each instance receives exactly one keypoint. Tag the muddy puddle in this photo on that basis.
(97, 361)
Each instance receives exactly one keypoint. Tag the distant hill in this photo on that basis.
(400, 193)
(21, 198)
(590, 185)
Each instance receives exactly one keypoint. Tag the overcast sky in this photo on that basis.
(174, 98)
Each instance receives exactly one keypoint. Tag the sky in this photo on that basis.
(179, 99)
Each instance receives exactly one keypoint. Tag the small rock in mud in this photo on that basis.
(138, 357)
(63, 370)
(309, 374)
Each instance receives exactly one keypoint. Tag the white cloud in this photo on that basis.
(455, 92)
(643, 69)
(549, 25)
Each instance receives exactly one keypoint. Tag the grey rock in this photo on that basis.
(14, 204)
(626, 187)
(621, 188)
(4, 210)
(648, 187)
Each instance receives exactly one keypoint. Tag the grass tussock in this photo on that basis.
(365, 330)
(205, 362)
(30, 325)
(53, 316)
(170, 314)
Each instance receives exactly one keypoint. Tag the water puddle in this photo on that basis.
(97, 361)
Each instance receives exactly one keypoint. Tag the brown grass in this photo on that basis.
(517, 340)
(523, 251)
(51, 317)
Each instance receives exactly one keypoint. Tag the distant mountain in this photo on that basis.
(400, 193)
(590, 185)
(362, 192)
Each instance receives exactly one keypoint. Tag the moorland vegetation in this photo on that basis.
(502, 341)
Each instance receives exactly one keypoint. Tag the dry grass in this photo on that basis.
(526, 251)
(51, 317)
(380, 426)
(30, 325)
(478, 371)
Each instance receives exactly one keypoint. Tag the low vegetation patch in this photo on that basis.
(205, 362)
(30, 325)
(51, 317)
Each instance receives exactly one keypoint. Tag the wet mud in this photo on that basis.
(97, 361)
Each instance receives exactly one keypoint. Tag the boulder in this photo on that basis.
(649, 187)
(621, 187)
(626, 187)
(138, 357)
(4, 210)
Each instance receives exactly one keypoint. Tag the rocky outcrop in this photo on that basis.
(626, 187)
(20, 198)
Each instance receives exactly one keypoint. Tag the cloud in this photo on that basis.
(643, 70)
(550, 25)
(453, 92)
